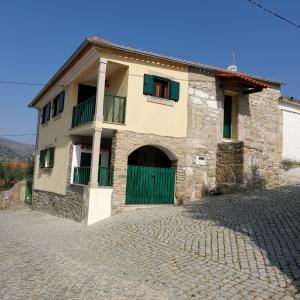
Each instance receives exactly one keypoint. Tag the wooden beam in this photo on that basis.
(252, 91)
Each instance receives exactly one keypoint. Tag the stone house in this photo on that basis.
(122, 127)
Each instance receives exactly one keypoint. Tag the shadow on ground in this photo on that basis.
(270, 218)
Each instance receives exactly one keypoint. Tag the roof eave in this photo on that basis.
(93, 41)
(58, 73)
(188, 63)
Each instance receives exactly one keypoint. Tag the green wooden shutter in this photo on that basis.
(48, 111)
(54, 108)
(227, 117)
(61, 102)
(42, 115)
(51, 157)
(42, 159)
(174, 88)
(148, 84)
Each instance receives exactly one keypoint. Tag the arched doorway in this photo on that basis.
(150, 176)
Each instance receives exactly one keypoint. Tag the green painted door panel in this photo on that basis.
(150, 185)
(227, 117)
(28, 192)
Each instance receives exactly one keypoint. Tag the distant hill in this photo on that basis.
(12, 150)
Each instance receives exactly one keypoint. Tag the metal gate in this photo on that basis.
(150, 185)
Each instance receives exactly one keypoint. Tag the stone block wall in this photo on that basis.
(72, 205)
(230, 167)
(16, 196)
(260, 128)
(203, 133)
(125, 142)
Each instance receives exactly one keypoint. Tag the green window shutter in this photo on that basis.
(51, 157)
(148, 84)
(48, 111)
(42, 158)
(174, 88)
(227, 117)
(61, 102)
(54, 108)
(42, 116)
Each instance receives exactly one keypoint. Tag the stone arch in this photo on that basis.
(152, 155)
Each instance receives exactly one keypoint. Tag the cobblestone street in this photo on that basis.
(243, 246)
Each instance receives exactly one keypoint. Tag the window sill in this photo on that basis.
(160, 101)
(225, 140)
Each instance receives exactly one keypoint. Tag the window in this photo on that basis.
(161, 87)
(47, 158)
(45, 115)
(58, 104)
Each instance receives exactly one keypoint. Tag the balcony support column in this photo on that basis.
(100, 90)
(95, 158)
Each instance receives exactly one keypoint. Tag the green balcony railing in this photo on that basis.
(105, 176)
(81, 175)
(84, 112)
(114, 110)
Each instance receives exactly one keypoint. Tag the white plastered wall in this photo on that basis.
(99, 204)
(291, 132)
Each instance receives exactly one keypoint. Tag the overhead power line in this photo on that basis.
(22, 134)
(26, 83)
(274, 13)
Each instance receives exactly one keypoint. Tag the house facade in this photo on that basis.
(120, 127)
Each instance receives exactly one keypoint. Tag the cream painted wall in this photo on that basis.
(148, 117)
(55, 133)
(141, 116)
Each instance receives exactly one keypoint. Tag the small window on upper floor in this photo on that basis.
(161, 87)
(58, 104)
(45, 113)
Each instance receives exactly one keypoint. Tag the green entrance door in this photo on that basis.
(150, 185)
(227, 117)
(28, 192)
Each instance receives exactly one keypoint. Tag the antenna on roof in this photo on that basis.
(233, 67)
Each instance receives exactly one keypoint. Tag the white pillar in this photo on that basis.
(95, 158)
(98, 119)
(100, 90)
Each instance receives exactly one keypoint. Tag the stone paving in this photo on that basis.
(243, 246)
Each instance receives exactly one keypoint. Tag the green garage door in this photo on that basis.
(150, 185)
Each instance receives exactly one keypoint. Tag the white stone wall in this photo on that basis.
(291, 132)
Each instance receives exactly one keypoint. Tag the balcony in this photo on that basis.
(82, 176)
(114, 110)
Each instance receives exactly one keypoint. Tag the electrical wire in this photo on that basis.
(23, 134)
(26, 83)
(274, 13)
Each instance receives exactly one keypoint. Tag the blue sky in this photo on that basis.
(38, 36)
